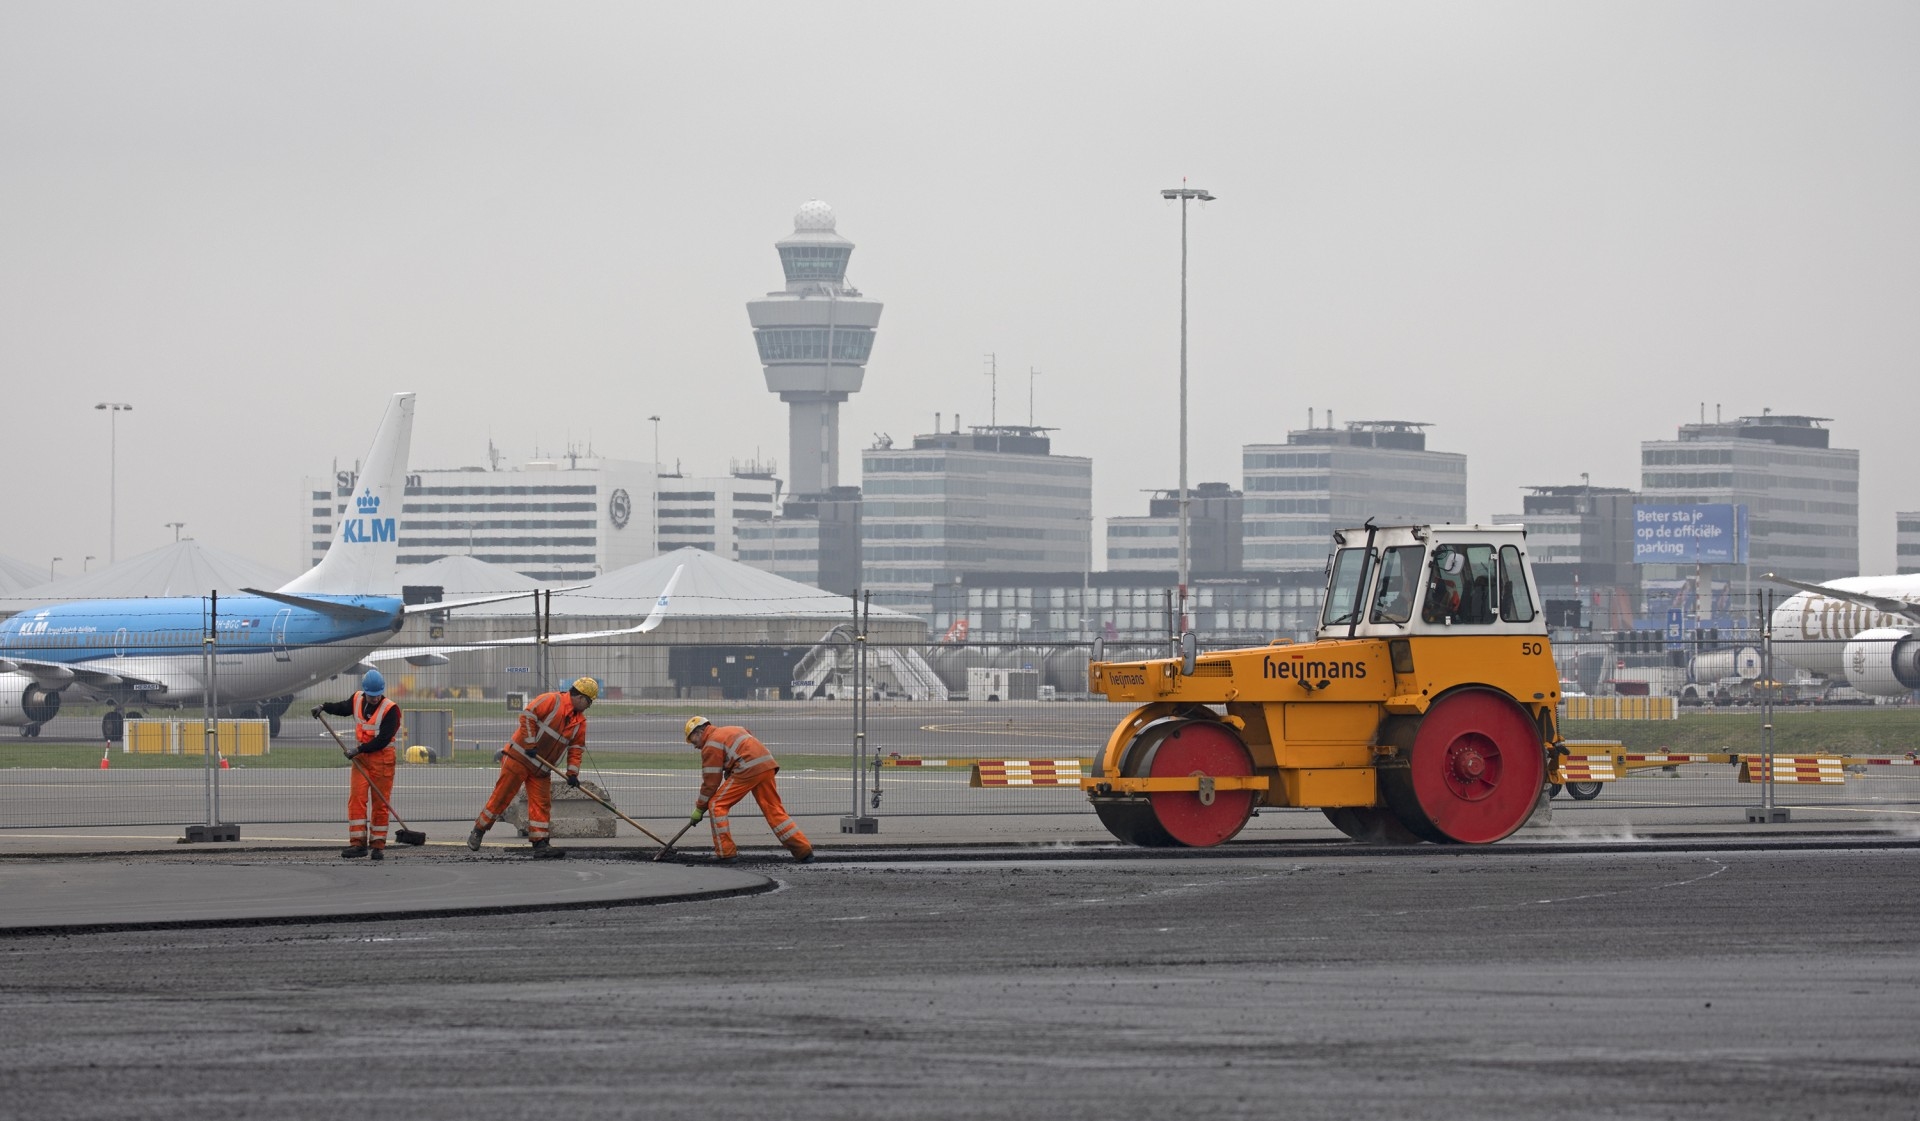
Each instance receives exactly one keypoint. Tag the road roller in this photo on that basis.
(1423, 709)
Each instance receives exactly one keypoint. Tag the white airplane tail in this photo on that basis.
(366, 548)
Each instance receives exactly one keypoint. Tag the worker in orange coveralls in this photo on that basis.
(552, 723)
(733, 764)
(376, 721)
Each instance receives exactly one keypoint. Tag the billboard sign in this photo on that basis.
(1714, 533)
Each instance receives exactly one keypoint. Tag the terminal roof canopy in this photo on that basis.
(16, 575)
(462, 575)
(181, 568)
(710, 587)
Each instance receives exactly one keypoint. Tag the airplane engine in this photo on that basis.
(22, 702)
(1884, 662)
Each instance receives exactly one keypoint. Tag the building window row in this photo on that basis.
(524, 490)
(498, 507)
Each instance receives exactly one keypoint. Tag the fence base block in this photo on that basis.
(860, 824)
(200, 834)
(1768, 815)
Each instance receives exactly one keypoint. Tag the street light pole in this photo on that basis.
(1184, 193)
(114, 409)
(176, 527)
(656, 484)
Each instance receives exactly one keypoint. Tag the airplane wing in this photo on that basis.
(59, 675)
(456, 604)
(436, 655)
(1882, 604)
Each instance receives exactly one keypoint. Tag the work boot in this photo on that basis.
(474, 838)
(807, 859)
(718, 859)
(544, 850)
(352, 851)
(378, 854)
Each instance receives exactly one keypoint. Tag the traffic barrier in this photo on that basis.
(1793, 769)
(1027, 772)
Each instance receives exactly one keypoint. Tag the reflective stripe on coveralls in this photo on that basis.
(735, 764)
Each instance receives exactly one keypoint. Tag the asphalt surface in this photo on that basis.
(1695, 979)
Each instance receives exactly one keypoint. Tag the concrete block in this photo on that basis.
(574, 814)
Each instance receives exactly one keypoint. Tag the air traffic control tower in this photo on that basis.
(814, 338)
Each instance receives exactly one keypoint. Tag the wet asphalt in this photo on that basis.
(1702, 980)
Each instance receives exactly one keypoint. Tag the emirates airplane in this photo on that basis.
(1864, 630)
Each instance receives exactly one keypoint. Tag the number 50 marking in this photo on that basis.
(1532, 648)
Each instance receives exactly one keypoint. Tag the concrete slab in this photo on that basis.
(95, 893)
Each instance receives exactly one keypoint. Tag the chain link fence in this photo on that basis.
(861, 727)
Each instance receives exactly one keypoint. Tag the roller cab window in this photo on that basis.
(1398, 584)
(1462, 581)
(1346, 588)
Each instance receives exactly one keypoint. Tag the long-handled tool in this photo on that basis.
(662, 854)
(403, 834)
(562, 775)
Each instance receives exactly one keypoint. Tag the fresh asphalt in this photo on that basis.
(977, 968)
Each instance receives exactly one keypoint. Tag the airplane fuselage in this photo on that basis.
(264, 648)
(1812, 630)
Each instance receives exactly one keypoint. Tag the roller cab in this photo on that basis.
(1423, 709)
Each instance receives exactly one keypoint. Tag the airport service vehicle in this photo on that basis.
(1424, 709)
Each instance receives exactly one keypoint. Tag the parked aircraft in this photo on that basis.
(137, 654)
(1864, 630)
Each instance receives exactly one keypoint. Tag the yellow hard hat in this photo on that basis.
(586, 687)
(695, 724)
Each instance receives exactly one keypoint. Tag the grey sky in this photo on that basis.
(1550, 229)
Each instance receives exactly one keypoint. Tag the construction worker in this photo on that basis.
(554, 721)
(376, 721)
(733, 764)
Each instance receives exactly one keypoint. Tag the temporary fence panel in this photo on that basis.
(922, 735)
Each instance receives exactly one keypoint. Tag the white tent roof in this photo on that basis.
(464, 575)
(183, 568)
(15, 575)
(710, 587)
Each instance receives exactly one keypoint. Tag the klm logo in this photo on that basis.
(368, 527)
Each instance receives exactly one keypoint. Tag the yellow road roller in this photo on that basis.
(1422, 711)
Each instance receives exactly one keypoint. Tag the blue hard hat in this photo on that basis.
(373, 685)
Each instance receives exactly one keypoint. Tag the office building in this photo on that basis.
(1906, 542)
(1152, 543)
(1322, 479)
(994, 498)
(814, 540)
(1130, 609)
(1802, 495)
(1580, 540)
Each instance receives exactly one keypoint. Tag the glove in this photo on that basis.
(316, 712)
(573, 780)
(697, 815)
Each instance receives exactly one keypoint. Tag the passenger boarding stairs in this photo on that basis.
(902, 669)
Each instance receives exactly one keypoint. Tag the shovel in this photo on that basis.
(403, 835)
(662, 854)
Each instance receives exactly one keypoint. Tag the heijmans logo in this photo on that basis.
(367, 527)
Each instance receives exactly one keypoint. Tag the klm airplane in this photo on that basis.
(138, 654)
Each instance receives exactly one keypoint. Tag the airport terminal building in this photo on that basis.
(559, 521)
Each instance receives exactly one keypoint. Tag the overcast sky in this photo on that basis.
(1552, 230)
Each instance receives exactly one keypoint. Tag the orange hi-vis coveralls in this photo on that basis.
(547, 726)
(733, 764)
(375, 727)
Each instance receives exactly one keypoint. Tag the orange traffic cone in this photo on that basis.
(223, 764)
(104, 752)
